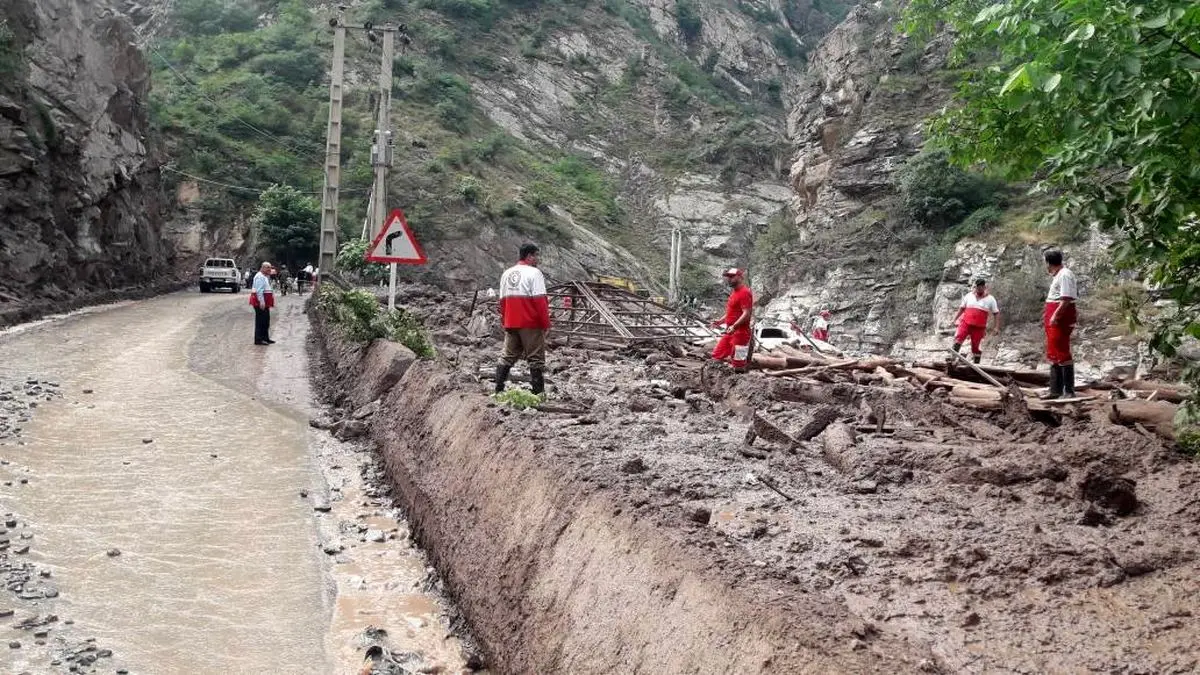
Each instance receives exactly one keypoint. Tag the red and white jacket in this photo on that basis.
(523, 302)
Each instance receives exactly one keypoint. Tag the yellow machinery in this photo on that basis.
(629, 285)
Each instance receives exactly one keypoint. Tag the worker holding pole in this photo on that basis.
(976, 308)
(734, 345)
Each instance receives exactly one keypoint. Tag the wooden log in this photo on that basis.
(838, 446)
(978, 403)
(973, 393)
(809, 391)
(1157, 416)
(821, 420)
(761, 427)
(764, 362)
(978, 371)
(1163, 391)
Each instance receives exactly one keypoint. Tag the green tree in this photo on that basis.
(289, 222)
(1096, 100)
(937, 194)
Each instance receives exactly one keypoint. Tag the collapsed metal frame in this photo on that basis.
(590, 309)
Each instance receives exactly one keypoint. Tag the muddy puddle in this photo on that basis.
(175, 512)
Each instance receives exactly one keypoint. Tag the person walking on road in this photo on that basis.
(262, 299)
(525, 315)
(1058, 320)
(734, 345)
(973, 313)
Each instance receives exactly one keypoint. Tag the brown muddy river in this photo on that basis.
(163, 497)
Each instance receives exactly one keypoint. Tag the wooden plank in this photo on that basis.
(979, 371)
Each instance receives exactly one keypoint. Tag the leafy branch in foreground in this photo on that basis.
(1096, 101)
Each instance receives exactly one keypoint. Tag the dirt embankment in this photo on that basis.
(17, 312)
(559, 571)
(686, 519)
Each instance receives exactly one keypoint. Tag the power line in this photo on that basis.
(201, 94)
(240, 188)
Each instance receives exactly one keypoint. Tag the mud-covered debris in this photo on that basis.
(367, 410)
(640, 404)
(1107, 491)
(699, 514)
(635, 465)
(971, 619)
(349, 429)
(113, 552)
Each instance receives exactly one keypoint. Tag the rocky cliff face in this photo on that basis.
(78, 187)
(857, 120)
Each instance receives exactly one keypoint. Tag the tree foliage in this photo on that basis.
(1096, 100)
(938, 195)
(289, 222)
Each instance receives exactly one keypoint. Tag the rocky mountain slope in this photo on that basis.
(592, 127)
(893, 282)
(79, 189)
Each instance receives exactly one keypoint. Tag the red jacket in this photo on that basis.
(523, 302)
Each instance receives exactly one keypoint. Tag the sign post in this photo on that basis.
(395, 244)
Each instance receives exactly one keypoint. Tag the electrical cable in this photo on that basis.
(262, 132)
(243, 188)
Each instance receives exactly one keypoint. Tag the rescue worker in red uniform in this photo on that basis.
(973, 314)
(734, 345)
(1058, 320)
(820, 329)
(525, 315)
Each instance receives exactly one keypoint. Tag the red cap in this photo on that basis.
(733, 272)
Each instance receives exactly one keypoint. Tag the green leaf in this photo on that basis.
(987, 13)
(1051, 83)
(1018, 80)
(1084, 32)
(1158, 21)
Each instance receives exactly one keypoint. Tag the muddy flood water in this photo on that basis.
(172, 511)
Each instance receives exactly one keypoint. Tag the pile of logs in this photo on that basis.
(1147, 406)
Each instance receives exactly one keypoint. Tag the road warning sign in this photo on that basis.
(395, 243)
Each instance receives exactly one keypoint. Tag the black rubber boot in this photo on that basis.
(1068, 380)
(957, 346)
(1056, 381)
(502, 376)
(537, 381)
(977, 357)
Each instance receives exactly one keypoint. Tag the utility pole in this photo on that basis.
(676, 263)
(382, 150)
(333, 156)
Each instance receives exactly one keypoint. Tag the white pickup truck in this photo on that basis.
(220, 273)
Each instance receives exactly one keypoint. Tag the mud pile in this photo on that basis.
(681, 515)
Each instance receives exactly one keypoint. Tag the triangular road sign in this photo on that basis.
(395, 243)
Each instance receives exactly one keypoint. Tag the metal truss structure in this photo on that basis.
(589, 309)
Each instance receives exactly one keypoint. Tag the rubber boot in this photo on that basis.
(502, 376)
(1056, 381)
(957, 346)
(977, 357)
(537, 381)
(1068, 380)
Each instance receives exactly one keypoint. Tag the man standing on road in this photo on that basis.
(1058, 320)
(734, 345)
(262, 299)
(973, 313)
(525, 315)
